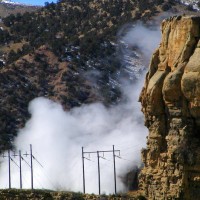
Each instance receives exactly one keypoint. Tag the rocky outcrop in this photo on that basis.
(171, 104)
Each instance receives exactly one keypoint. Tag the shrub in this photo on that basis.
(165, 6)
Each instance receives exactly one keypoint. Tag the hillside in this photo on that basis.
(77, 36)
(8, 8)
(53, 52)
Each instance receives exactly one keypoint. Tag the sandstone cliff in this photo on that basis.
(171, 104)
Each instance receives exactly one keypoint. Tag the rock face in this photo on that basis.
(171, 104)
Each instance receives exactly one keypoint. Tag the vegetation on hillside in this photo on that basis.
(7, 9)
(53, 51)
(51, 195)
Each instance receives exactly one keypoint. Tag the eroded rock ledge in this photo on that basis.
(171, 104)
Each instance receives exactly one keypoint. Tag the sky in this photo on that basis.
(35, 2)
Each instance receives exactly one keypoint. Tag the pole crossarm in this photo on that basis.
(26, 154)
(4, 156)
(15, 155)
(108, 151)
(92, 152)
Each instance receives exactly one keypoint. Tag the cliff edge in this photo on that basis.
(171, 104)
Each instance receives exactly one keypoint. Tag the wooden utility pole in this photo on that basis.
(20, 168)
(31, 156)
(114, 169)
(99, 171)
(9, 169)
(83, 170)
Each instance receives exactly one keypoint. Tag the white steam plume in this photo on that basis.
(144, 38)
(57, 136)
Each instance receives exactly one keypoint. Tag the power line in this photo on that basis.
(31, 163)
(19, 166)
(43, 172)
(9, 167)
(21, 158)
(98, 164)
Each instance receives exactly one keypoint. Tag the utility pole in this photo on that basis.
(20, 164)
(31, 155)
(98, 161)
(114, 169)
(9, 166)
(99, 177)
(20, 168)
(83, 170)
(31, 164)
(9, 169)
(83, 165)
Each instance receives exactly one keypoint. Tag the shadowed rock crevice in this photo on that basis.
(171, 104)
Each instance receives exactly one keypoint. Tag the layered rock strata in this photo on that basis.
(171, 104)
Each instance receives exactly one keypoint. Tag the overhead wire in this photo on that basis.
(24, 178)
(75, 161)
(42, 168)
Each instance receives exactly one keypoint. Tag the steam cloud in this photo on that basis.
(145, 38)
(57, 136)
